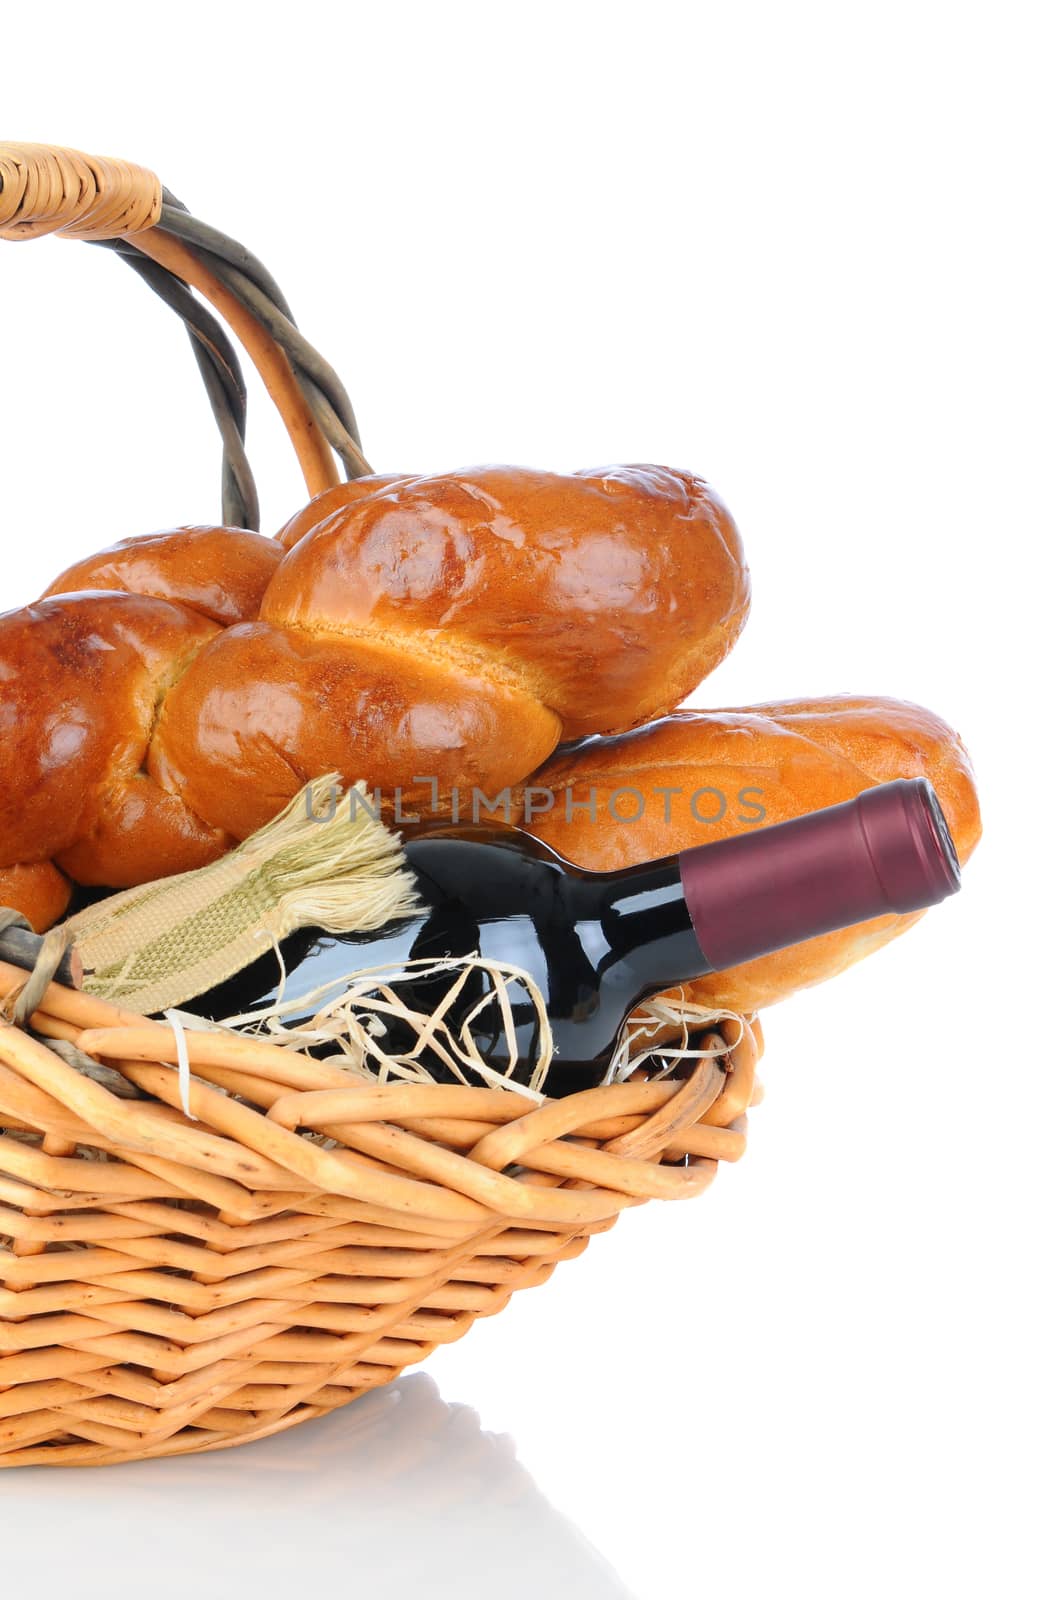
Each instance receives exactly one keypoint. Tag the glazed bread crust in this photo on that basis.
(221, 573)
(608, 594)
(263, 710)
(308, 517)
(705, 775)
(455, 628)
(40, 892)
(81, 679)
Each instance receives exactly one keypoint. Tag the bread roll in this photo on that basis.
(222, 573)
(456, 627)
(703, 775)
(81, 680)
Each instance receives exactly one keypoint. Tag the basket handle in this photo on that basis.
(47, 189)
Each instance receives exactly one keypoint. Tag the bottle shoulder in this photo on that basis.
(492, 857)
(426, 841)
(480, 849)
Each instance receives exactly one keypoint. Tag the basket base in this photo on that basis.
(172, 1284)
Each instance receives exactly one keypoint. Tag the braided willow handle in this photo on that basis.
(44, 189)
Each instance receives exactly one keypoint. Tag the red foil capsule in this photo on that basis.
(889, 850)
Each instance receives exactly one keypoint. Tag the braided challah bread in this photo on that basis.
(456, 628)
(171, 694)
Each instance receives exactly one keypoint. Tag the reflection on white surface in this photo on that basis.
(399, 1494)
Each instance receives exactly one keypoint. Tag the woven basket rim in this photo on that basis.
(257, 1095)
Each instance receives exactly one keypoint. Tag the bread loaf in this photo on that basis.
(448, 628)
(456, 628)
(702, 775)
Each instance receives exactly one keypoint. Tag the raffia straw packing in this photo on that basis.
(352, 1013)
(318, 864)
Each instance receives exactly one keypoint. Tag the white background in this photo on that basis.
(811, 252)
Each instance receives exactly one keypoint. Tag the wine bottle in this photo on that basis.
(596, 944)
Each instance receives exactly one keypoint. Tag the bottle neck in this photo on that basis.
(647, 924)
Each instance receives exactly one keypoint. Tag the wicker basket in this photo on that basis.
(173, 1283)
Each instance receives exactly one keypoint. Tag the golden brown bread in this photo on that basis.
(608, 595)
(263, 710)
(40, 892)
(220, 572)
(451, 628)
(456, 627)
(704, 775)
(339, 498)
(81, 680)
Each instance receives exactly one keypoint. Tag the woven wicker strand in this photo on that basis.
(170, 1286)
(315, 458)
(50, 190)
(44, 189)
